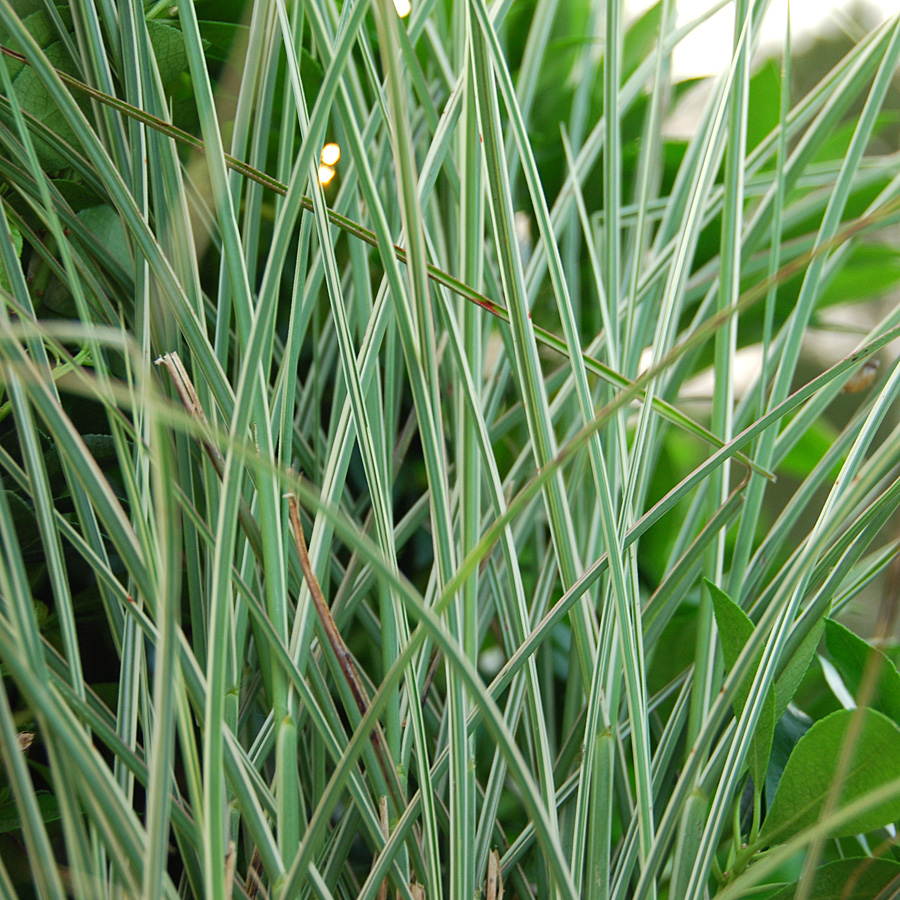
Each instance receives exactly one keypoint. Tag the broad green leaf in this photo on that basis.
(788, 731)
(31, 93)
(33, 97)
(22, 512)
(809, 776)
(851, 655)
(106, 227)
(761, 745)
(77, 194)
(168, 48)
(862, 878)
(735, 629)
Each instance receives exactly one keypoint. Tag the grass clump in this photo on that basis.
(357, 535)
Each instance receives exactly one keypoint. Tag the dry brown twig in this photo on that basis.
(494, 887)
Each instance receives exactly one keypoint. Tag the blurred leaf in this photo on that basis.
(640, 39)
(221, 37)
(765, 99)
(809, 775)
(311, 73)
(871, 270)
(673, 652)
(813, 444)
(102, 448)
(10, 820)
(679, 455)
(837, 143)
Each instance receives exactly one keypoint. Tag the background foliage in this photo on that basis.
(557, 632)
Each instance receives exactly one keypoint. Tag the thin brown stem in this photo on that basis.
(339, 648)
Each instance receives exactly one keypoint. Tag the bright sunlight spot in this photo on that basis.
(326, 173)
(331, 153)
(403, 8)
(707, 49)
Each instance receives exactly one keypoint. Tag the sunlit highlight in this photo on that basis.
(326, 173)
(331, 153)
(403, 8)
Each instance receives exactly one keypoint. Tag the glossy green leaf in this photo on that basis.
(788, 731)
(861, 878)
(810, 774)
